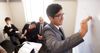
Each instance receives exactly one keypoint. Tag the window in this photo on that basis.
(35, 8)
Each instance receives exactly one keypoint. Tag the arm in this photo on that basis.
(14, 28)
(25, 28)
(67, 44)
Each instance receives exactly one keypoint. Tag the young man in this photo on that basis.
(32, 33)
(24, 31)
(12, 31)
(54, 38)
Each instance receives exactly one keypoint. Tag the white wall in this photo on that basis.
(92, 38)
(17, 12)
(4, 12)
(69, 9)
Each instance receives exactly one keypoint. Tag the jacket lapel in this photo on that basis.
(59, 34)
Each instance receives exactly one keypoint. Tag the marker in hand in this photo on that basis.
(84, 26)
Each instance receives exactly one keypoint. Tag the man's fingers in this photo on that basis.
(88, 18)
(84, 25)
(84, 21)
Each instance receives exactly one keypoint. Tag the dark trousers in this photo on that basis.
(14, 40)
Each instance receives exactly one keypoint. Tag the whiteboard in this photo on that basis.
(92, 38)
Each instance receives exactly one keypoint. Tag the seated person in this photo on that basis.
(24, 30)
(31, 34)
(11, 31)
(40, 25)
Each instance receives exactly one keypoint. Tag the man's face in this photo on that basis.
(58, 18)
(32, 26)
(8, 22)
(41, 20)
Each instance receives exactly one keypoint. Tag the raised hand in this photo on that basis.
(84, 26)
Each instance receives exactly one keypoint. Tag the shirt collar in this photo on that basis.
(57, 26)
(9, 25)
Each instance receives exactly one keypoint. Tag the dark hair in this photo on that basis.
(33, 22)
(7, 18)
(53, 9)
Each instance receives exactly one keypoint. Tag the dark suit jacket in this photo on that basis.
(26, 26)
(31, 35)
(53, 42)
(12, 33)
(14, 37)
(38, 26)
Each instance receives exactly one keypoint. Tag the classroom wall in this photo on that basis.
(4, 12)
(17, 12)
(13, 9)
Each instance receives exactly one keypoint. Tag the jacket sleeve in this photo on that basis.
(5, 30)
(55, 45)
(14, 28)
(25, 28)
